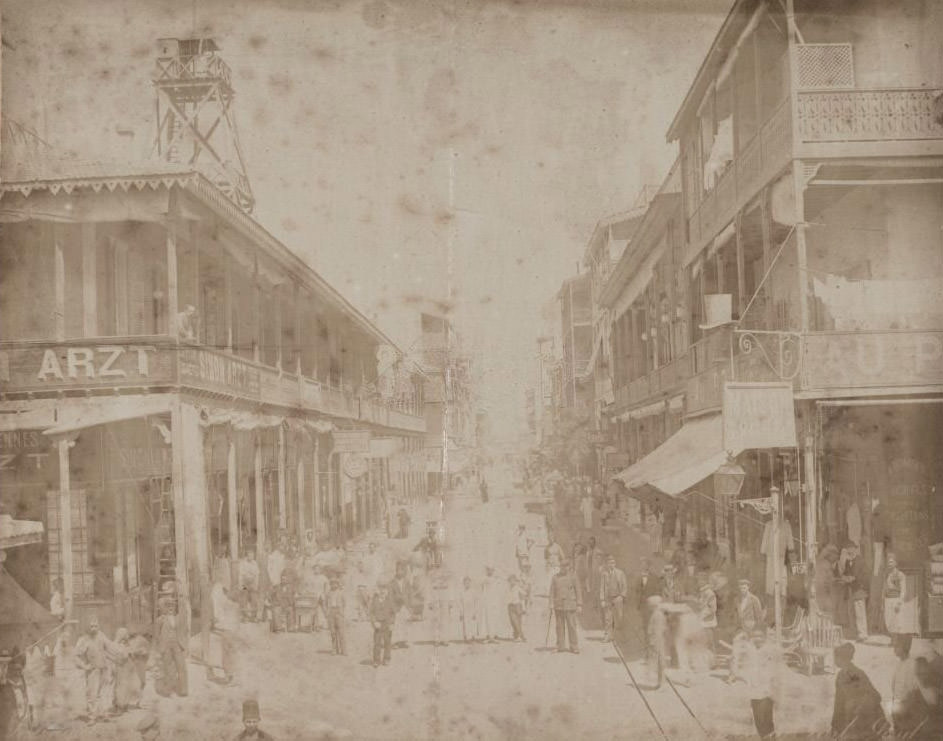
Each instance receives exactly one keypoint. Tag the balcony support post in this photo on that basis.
(741, 281)
(282, 463)
(227, 299)
(801, 255)
(259, 500)
(767, 248)
(55, 231)
(89, 282)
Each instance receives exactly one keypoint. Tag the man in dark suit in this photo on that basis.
(645, 585)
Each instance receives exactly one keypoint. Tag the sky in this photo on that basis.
(457, 150)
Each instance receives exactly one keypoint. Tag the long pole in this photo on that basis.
(777, 565)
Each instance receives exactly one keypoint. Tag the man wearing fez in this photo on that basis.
(250, 722)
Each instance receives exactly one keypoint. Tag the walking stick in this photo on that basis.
(549, 616)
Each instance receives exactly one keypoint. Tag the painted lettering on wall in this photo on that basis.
(107, 361)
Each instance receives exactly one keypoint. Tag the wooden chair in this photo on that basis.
(821, 637)
(793, 636)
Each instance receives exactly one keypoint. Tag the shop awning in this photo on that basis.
(690, 455)
(109, 410)
(19, 532)
(33, 419)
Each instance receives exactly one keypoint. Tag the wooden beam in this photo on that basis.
(227, 298)
(89, 281)
(180, 531)
(280, 457)
(59, 281)
(741, 278)
(65, 525)
(300, 487)
(232, 497)
(259, 502)
(173, 300)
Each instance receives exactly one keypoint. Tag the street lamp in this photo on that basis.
(728, 479)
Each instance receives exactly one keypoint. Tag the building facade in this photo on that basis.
(448, 409)
(178, 388)
(801, 247)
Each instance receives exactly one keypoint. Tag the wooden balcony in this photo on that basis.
(114, 364)
(659, 383)
(762, 158)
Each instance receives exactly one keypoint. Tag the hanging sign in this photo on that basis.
(758, 416)
(353, 441)
(355, 465)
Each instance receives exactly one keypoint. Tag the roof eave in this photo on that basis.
(661, 205)
(720, 44)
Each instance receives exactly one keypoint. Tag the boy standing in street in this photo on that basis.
(382, 611)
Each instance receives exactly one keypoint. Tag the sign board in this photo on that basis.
(385, 447)
(53, 366)
(865, 359)
(355, 465)
(351, 441)
(758, 416)
(218, 372)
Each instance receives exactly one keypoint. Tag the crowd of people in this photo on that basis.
(696, 615)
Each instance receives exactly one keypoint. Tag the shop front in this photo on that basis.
(880, 470)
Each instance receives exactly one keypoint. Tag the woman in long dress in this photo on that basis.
(468, 604)
(127, 679)
(491, 608)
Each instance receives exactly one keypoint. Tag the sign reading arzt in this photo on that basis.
(52, 367)
(106, 361)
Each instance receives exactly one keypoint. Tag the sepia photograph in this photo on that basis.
(504, 370)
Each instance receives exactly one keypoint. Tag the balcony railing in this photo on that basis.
(868, 115)
(106, 364)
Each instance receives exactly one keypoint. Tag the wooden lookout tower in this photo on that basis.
(195, 122)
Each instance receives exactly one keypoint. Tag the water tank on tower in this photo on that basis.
(195, 121)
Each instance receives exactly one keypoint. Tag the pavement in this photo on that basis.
(439, 687)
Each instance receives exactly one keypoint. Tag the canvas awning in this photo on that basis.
(690, 455)
(23, 621)
(19, 532)
(107, 411)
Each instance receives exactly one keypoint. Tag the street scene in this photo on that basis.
(471, 369)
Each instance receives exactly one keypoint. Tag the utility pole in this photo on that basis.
(774, 495)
